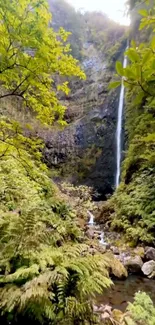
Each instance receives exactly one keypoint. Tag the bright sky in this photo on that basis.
(113, 8)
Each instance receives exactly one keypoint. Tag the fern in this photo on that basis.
(46, 275)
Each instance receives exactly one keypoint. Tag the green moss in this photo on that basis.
(134, 200)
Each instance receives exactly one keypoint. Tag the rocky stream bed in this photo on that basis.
(138, 273)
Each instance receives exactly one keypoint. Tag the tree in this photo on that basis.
(32, 56)
(46, 274)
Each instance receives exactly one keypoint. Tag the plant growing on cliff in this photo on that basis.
(134, 200)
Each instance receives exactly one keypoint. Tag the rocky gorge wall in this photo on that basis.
(85, 151)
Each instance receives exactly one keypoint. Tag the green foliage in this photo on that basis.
(80, 198)
(119, 68)
(115, 52)
(134, 207)
(13, 143)
(32, 54)
(139, 74)
(114, 84)
(142, 310)
(134, 201)
(45, 274)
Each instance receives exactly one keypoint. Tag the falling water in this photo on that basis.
(119, 128)
(91, 220)
(102, 241)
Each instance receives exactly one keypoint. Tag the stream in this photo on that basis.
(123, 291)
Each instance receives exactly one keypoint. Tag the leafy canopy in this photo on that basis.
(33, 57)
(47, 274)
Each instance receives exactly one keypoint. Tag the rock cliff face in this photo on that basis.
(84, 152)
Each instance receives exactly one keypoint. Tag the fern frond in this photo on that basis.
(22, 273)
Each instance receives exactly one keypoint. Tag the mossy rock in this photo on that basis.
(117, 315)
(139, 251)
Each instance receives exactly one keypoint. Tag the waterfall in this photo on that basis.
(102, 241)
(91, 220)
(119, 128)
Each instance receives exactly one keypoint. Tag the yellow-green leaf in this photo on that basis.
(143, 12)
(119, 68)
(114, 84)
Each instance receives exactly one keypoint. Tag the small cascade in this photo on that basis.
(96, 228)
(119, 128)
(102, 241)
(91, 218)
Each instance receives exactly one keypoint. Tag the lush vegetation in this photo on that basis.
(135, 199)
(47, 274)
(141, 311)
(32, 55)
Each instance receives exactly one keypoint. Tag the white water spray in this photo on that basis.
(91, 218)
(102, 241)
(119, 128)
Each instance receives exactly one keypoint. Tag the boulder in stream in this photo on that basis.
(117, 269)
(148, 269)
(133, 264)
(150, 254)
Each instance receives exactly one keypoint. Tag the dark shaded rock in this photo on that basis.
(133, 264)
(150, 254)
(108, 246)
